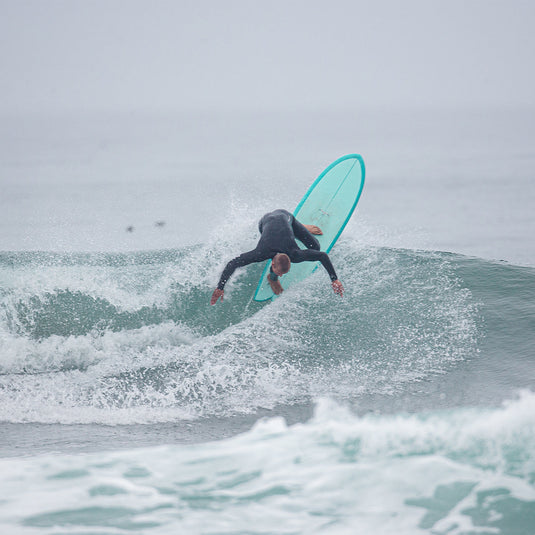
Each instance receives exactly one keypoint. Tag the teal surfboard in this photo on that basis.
(328, 203)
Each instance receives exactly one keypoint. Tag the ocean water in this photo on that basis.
(129, 405)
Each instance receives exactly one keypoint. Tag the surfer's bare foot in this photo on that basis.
(275, 286)
(313, 229)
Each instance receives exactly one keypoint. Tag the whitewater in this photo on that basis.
(129, 405)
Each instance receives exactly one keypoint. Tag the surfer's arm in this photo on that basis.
(240, 261)
(311, 255)
(243, 260)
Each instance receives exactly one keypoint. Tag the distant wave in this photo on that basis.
(464, 471)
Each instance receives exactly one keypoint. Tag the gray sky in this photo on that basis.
(165, 55)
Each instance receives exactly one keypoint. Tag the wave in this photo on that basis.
(463, 471)
(121, 338)
(130, 337)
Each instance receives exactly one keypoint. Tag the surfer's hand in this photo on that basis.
(216, 295)
(338, 288)
(275, 286)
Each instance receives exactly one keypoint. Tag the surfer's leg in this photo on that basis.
(302, 233)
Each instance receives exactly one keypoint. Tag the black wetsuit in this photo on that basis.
(278, 230)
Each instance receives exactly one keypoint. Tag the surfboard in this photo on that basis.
(329, 203)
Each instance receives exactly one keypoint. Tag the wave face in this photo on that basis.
(465, 471)
(131, 338)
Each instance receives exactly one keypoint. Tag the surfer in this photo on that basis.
(279, 230)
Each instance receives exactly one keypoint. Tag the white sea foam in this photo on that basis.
(450, 472)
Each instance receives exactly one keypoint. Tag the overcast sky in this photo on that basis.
(163, 55)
